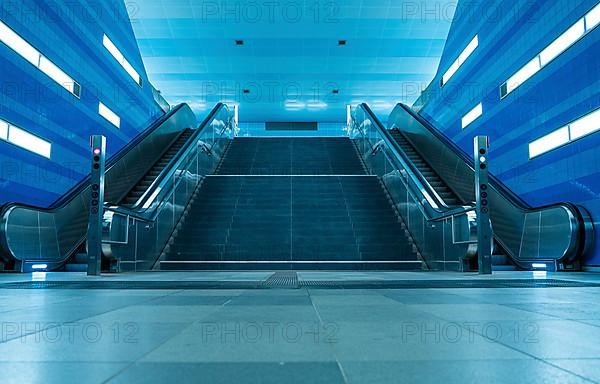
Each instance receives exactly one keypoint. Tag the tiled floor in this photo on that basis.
(467, 335)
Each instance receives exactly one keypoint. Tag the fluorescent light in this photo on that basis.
(473, 115)
(39, 266)
(469, 50)
(56, 74)
(317, 105)
(563, 42)
(28, 141)
(3, 130)
(294, 105)
(592, 19)
(549, 142)
(565, 135)
(523, 74)
(462, 58)
(116, 53)
(131, 72)
(18, 44)
(450, 72)
(109, 115)
(585, 126)
(108, 44)
(29, 53)
(539, 265)
(572, 35)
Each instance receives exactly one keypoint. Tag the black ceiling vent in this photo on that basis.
(239, 42)
(342, 42)
(289, 126)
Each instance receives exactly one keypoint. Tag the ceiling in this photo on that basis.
(291, 61)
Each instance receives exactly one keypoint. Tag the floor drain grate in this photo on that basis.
(282, 280)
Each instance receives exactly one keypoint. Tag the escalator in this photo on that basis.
(549, 238)
(145, 183)
(37, 238)
(438, 184)
(500, 261)
(79, 262)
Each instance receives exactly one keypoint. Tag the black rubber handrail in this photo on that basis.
(184, 150)
(499, 185)
(396, 147)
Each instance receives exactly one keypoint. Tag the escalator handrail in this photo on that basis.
(181, 154)
(413, 172)
(582, 225)
(496, 183)
(83, 184)
(166, 175)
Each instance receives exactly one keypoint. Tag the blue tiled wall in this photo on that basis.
(70, 34)
(511, 33)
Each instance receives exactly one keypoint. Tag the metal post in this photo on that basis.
(484, 226)
(94, 233)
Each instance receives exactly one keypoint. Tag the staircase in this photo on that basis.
(291, 204)
(291, 156)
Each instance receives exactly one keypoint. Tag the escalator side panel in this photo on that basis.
(67, 223)
(548, 234)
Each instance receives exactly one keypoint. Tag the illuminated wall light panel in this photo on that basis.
(585, 126)
(592, 19)
(549, 142)
(3, 130)
(473, 115)
(578, 129)
(41, 62)
(24, 139)
(562, 43)
(109, 115)
(116, 53)
(462, 58)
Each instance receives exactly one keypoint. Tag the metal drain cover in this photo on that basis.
(282, 280)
